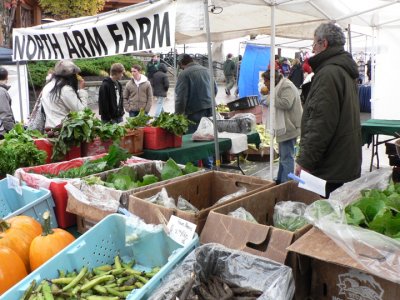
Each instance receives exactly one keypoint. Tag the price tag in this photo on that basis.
(13, 183)
(181, 231)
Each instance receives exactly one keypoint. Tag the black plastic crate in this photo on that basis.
(243, 103)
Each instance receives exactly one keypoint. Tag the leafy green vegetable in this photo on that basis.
(16, 154)
(190, 168)
(139, 121)
(111, 160)
(149, 179)
(174, 123)
(21, 134)
(377, 210)
(83, 126)
(170, 170)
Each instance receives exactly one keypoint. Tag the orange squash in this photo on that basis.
(16, 239)
(48, 244)
(27, 224)
(12, 268)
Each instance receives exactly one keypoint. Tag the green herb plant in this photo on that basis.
(140, 120)
(80, 127)
(174, 123)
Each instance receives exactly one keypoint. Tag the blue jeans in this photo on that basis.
(133, 113)
(286, 160)
(159, 105)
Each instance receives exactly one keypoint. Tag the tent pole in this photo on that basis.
(272, 93)
(210, 69)
(21, 111)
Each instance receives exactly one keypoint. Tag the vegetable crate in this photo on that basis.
(96, 147)
(243, 103)
(100, 245)
(88, 215)
(32, 202)
(202, 190)
(133, 141)
(46, 146)
(156, 138)
(33, 178)
(261, 238)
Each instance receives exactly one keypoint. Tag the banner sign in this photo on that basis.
(133, 30)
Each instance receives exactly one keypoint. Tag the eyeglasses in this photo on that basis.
(316, 43)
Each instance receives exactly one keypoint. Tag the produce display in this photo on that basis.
(377, 210)
(80, 127)
(12, 268)
(112, 160)
(17, 234)
(49, 243)
(140, 120)
(105, 282)
(174, 123)
(18, 150)
(127, 178)
(289, 215)
(214, 288)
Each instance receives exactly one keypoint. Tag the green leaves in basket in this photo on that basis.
(377, 210)
(140, 120)
(170, 170)
(174, 123)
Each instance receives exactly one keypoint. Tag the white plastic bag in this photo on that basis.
(205, 130)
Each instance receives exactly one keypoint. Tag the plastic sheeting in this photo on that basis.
(232, 266)
(376, 252)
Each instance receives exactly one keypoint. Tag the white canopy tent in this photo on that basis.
(227, 19)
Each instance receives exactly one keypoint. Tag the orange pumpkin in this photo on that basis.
(48, 244)
(12, 268)
(16, 239)
(27, 224)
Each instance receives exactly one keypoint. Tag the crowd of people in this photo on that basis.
(316, 100)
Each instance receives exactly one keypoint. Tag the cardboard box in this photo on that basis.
(335, 275)
(133, 141)
(80, 202)
(84, 224)
(260, 239)
(202, 190)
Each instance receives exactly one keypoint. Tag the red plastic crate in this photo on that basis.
(47, 146)
(133, 141)
(176, 141)
(156, 138)
(60, 196)
(96, 147)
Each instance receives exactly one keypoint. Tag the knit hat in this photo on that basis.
(66, 68)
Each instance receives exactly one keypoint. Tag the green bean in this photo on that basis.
(76, 280)
(142, 279)
(102, 298)
(47, 291)
(87, 286)
(100, 289)
(114, 292)
(29, 291)
(117, 262)
(62, 280)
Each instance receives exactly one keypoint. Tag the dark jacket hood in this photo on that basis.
(335, 56)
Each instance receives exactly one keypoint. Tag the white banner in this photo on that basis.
(144, 28)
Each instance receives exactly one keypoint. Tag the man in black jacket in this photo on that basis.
(111, 106)
(330, 145)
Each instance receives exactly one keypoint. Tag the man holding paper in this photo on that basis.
(330, 145)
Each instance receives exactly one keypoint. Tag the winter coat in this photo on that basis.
(229, 68)
(6, 114)
(109, 108)
(297, 75)
(192, 90)
(160, 82)
(138, 95)
(56, 109)
(330, 145)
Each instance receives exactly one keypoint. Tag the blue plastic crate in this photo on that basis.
(32, 202)
(99, 246)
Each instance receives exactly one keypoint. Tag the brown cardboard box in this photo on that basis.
(202, 191)
(260, 239)
(335, 275)
(84, 224)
